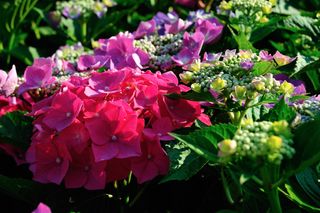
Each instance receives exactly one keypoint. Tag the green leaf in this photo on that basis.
(304, 23)
(16, 129)
(281, 111)
(294, 194)
(307, 146)
(184, 163)
(263, 30)
(263, 67)
(301, 62)
(283, 7)
(204, 141)
(25, 190)
(308, 180)
(193, 96)
(314, 78)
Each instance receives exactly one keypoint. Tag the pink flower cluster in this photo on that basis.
(99, 129)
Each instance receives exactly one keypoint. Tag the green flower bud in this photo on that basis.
(227, 147)
(240, 92)
(218, 84)
(196, 87)
(286, 88)
(267, 9)
(186, 77)
(259, 85)
(274, 142)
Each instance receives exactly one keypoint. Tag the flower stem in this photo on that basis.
(269, 174)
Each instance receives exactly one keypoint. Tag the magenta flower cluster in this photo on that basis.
(97, 129)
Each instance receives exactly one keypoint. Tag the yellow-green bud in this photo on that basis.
(252, 94)
(186, 77)
(267, 9)
(281, 128)
(95, 44)
(218, 84)
(227, 147)
(274, 142)
(264, 19)
(196, 87)
(259, 85)
(246, 122)
(108, 3)
(240, 92)
(286, 88)
(195, 66)
(273, 2)
(225, 5)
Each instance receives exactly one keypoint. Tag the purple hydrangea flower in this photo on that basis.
(210, 28)
(72, 12)
(145, 28)
(122, 52)
(247, 65)
(191, 49)
(91, 62)
(211, 57)
(38, 75)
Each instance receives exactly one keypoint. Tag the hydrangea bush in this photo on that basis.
(163, 102)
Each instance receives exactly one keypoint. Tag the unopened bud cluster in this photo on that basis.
(161, 48)
(308, 110)
(267, 141)
(233, 77)
(70, 53)
(248, 9)
(83, 8)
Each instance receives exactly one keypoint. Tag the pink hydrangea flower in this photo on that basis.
(282, 59)
(85, 172)
(48, 161)
(114, 132)
(153, 162)
(8, 82)
(63, 111)
(42, 208)
(187, 3)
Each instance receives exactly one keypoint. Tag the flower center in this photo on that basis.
(114, 138)
(58, 160)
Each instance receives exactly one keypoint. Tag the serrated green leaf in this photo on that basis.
(16, 129)
(281, 111)
(184, 163)
(204, 141)
(304, 23)
(301, 62)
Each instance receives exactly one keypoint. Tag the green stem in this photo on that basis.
(269, 174)
(136, 198)
(84, 31)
